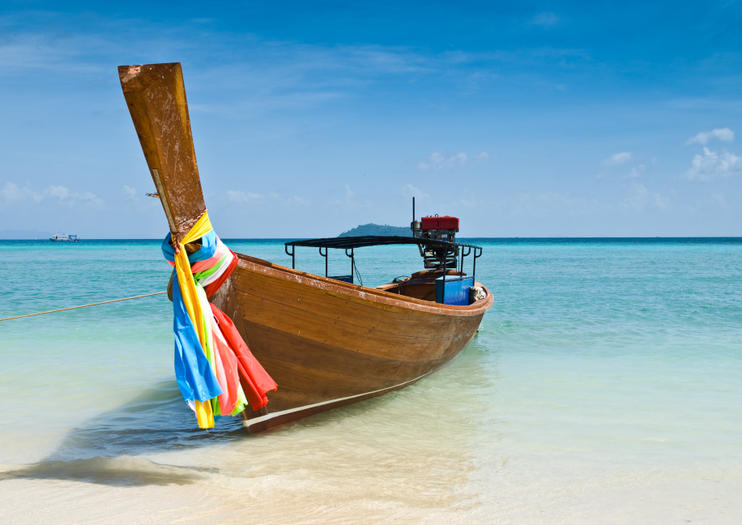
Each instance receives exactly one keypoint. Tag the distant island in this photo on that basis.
(377, 229)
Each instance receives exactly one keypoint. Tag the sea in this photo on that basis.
(604, 386)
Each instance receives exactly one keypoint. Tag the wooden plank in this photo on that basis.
(155, 95)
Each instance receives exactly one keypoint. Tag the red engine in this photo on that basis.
(444, 222)
(436, 228)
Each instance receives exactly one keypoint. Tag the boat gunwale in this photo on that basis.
(374, 294)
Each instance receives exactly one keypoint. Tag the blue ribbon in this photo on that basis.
(193, 372)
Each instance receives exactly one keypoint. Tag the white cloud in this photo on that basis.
(349, 202)
(545, 19)
(413, 191)
(296, 200)
(60, 192)
(439, 161)
(618, 158)
(641, 198)
(622, 158)
(712, 164)
(41, 52)
(242, 196)
(704, 137)
(91, 198)
(271, 199)
(636, 171)
(661, 202)
(11, 192)
(131, 192)
(63, 195)
(265, 75)
(349, 193)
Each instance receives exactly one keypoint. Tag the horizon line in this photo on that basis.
(515, 237)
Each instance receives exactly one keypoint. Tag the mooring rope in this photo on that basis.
(82, 306)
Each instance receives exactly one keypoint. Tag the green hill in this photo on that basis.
(377, 229)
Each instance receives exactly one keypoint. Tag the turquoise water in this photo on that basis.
(605, 384)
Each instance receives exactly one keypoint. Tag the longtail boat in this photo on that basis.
(325, 340)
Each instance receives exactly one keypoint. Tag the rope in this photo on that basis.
(358, 273)
(82, 306)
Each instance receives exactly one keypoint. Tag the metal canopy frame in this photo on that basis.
(349, 244)
(373, 240)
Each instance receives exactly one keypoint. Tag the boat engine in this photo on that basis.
(436, 228)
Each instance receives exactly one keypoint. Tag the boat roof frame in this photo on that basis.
(363, 241)
(349, 244)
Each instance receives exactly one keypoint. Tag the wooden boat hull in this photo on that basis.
(328, 343)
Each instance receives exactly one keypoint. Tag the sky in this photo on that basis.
(537, 119)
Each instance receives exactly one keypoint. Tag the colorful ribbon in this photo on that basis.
(214, 368)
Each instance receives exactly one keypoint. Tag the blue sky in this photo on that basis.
(541, 119)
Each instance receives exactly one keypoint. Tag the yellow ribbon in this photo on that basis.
(204, 412)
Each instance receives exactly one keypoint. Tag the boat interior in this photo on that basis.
(456, 288)
(421, 285)
(444, 280)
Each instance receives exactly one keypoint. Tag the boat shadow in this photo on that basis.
(108, 448)
(115, 447)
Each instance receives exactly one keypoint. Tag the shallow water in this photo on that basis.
(604, 386)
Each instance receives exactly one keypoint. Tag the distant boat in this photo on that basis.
(63, 237)
(326, 341)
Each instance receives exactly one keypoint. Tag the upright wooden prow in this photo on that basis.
(155, 94)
